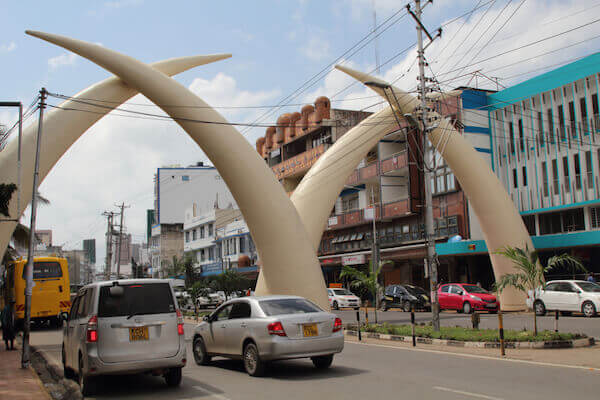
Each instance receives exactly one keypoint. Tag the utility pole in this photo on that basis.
(109, 229)
(427, 164)
(25, 359)
(375, 250)
(122, 207)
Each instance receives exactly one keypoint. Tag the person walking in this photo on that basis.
(7, 317)
(590, 278)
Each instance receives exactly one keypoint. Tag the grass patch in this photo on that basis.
(470, 335)
(192, 314)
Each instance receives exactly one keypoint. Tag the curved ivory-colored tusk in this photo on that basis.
(289, 262)
(499, 219)
(62, 128)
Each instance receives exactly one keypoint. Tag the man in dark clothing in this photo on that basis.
(7, 317)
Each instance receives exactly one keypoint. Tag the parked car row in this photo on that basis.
(112, 325)
(567, 296)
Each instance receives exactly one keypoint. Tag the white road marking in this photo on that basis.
(213, 394)
(479, 396)
(543, 364)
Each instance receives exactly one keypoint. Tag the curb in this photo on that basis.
(553, 344)
(42, 362)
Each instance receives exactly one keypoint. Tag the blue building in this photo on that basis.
(542, 140)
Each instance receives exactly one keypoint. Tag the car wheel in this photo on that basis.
(588, 309)
(335, 305)
(322, 362)
(252, 363)
(539, 308)
(67, 372)
(466, 308)
(199, 350)
(384, 305)
(87, 384)
(173, 377)
(406, 306)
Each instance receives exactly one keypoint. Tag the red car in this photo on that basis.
(465, 298)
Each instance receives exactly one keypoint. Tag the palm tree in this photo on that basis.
(364, 281)
(530, 271)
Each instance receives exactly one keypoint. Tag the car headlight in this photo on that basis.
(475, 297)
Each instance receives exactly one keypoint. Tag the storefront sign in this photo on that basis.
(369, 213)
(328, 261)
(353, 260)
(332, 221)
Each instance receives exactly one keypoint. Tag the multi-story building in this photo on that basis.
(44, 236)
(175, 188)
(200, 235)
(544, 137)
(236, 250)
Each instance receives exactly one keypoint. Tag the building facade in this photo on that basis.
(544, 146)
(175, 188)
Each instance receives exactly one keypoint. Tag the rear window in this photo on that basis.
(45, 270)
(149, 298)
(288, 306)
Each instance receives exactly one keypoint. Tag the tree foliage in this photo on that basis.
(230, 282)
(6, 192)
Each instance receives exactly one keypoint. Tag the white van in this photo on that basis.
(124, 327)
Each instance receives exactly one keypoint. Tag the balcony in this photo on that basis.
(300, 163)
(391, 210)
(378, 168)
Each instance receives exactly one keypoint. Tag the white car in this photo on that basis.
(568, 296)
(341, 298)
(212, 299)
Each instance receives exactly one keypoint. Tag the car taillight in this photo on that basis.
(337, 325)
(276, 328)
(92, 330)
(179, 323)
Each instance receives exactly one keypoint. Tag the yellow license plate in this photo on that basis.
(310, 330)
(140, 333)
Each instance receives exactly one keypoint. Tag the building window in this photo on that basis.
(550, 126)
(577, 169)
(511, 133)
(187, 236)
(521, 138)
(350, 202)
(202, 232)
(595, 217)
(544, 178)
(540, 128)
(562, 222)
(529, 221)
(561, 122)
(210, 229)
(524, 176)
(202, 255)
(185, 178)
(194, 234)
(588, 170)
(566, 175)
(515, 178)
(555, 181)
(242, 244)
(572, 119)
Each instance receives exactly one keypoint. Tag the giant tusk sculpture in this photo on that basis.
(62, 128)
(499, 219)
(289, 261)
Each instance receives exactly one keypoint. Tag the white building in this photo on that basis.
(175, 188)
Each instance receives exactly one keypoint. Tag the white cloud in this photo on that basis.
(118, 154)
(62, 60)
(7, 48)
(316, 49)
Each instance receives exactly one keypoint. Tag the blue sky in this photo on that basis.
(276, 47)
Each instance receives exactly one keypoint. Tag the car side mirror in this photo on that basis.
(206, 318)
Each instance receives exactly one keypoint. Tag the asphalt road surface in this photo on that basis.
(519, 321)
(360, 371)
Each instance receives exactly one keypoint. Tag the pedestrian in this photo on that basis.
(590, 278)
(7, 317)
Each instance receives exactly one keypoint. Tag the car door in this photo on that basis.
(218, 330)
(238, 324)
(69, 331)
(549, 296)
(455, 297)
(444, 297)
(567, 299)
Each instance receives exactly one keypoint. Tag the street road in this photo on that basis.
(360, 371)
(518, 321)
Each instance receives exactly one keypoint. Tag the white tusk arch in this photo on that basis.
(290, 264)
(62, 128)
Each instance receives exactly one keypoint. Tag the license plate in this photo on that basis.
(310, 330)
(140, 333)
(493, 305)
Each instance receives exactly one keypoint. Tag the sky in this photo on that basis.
(283, 53)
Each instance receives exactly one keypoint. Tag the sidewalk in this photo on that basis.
(17, 383)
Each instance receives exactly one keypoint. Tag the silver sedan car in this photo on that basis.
(268, 328)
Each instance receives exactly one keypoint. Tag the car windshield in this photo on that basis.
(589, 286)
(288, 306)
(45, 270)
(474, 289)
(149, 298)
(415, 290)
(342, 292)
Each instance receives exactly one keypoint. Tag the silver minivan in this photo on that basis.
(123, 327)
